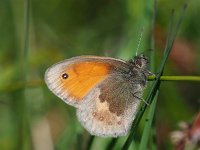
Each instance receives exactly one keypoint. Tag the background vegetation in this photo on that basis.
(35, 34)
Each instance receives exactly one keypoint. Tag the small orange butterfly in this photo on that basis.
(105, 91)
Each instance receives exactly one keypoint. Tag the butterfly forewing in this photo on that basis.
(74, 78)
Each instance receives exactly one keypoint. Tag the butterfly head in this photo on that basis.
(140, 61)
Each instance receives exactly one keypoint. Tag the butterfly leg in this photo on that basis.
(134, 95)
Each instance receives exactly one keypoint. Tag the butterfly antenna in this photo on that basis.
(140, 38)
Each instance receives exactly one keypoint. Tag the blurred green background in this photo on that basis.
(35, 34)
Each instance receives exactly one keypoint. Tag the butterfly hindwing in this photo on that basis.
(110, 108)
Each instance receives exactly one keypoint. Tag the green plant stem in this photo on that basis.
(175, 78)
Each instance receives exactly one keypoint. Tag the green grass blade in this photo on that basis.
(148, 124)
(171, 38)
(112, 143)
(89, 144)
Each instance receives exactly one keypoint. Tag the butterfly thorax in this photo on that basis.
(137, 72)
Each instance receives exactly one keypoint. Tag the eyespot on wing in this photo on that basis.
(83, 77)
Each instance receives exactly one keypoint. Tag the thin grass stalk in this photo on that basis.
(16, 104)
(25, 128)
(20, 103)
(175, 78)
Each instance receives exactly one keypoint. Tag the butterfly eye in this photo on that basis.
(65, 76)
(138, 63)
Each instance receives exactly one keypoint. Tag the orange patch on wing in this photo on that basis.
(84, 76)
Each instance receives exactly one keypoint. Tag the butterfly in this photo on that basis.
(105, 91)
